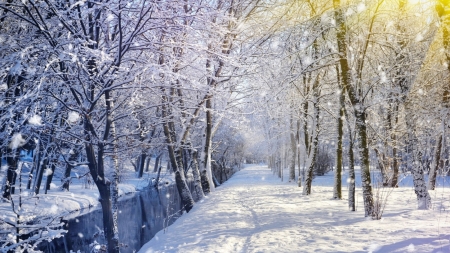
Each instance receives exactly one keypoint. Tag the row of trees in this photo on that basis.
(365, 80)
(98, 82)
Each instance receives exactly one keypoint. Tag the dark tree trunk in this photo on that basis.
(157, 177)
(36, 160)
(293, 151)
(395, 166)
(96, 169)
(37, 165)
(186, 162)
(435, 166)
(297, 137)
(169, 167)
(365, 163)
(12, 161)
(73, 156)
(157, 162)
(351, 167)
(147, 164)
(361, 129)
(205, 182)
(43, 161)
(337, 193)
(50, 176)
(141, 164)
(351, 176)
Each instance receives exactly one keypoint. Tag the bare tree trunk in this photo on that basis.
(382, 166)
(147, 164)
(169, 167)
(315, 147)
(50, 175)
(182, 187)
(366, 181)
(206, 159)
(41, 168)
(205, 182)
(298, 154)
(293, 152)
(351, 167)
(420, 188)
(12, 161)
(394, 178)
(395, 164)
(351, 176)
(157, 162)
(96, 168)
(337, 192)
(435, 165)
(116, 172)
(358, 108)
(157, 177)
(279, 167)
(73, 155)
(197, 178)
(141, 163)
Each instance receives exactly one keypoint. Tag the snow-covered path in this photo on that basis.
(255, 212)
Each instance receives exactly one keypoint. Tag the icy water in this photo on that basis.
(141, 216)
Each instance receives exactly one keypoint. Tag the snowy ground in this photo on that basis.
(255, 212)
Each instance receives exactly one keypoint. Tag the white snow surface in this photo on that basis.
(255, 212)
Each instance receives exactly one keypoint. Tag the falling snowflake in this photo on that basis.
(307, 60)
(110, 17)
(48, 172)
(17, 141)
(361, 7)
(419, 38)
(383, 77)
(73, 117)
